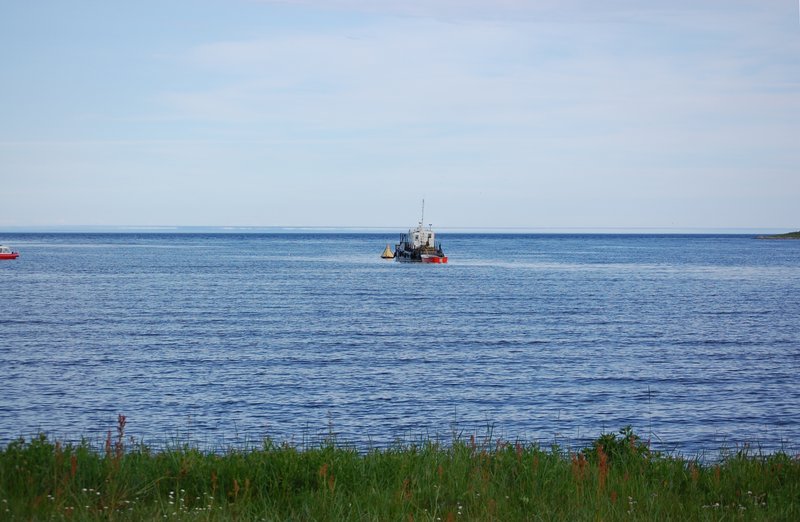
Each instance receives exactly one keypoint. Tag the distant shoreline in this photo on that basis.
(761, 233)
(790, 235)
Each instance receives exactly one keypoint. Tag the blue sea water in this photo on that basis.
(218, 338)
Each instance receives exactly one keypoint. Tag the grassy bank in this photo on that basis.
(617, 478)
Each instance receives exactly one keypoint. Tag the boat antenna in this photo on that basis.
(422, 219)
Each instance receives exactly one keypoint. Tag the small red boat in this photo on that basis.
(7, 253)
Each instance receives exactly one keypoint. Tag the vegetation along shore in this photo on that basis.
(790, 235)
(617, 478)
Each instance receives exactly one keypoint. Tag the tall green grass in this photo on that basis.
(617, 478)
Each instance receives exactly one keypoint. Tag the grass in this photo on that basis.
(617, 478)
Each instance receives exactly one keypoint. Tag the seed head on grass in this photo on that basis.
(602, 468)
(578, 467)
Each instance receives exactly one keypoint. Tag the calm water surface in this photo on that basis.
(220, 338)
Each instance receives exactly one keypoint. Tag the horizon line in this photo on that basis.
(288, 229)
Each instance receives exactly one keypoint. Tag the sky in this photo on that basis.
(347, 113)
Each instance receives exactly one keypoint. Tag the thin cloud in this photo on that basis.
(478, 73)
(544, 10)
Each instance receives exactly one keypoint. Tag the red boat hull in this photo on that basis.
(9, 256)
(437, 260)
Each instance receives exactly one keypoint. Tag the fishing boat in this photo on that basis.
(7, 253)
(419, 245)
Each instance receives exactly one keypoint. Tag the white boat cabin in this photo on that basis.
(5, 250)
(420, 236)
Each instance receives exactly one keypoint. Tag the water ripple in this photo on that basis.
(691, 339)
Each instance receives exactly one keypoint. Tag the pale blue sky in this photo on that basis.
(501, 113)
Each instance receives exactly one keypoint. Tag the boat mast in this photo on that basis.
(422, 219)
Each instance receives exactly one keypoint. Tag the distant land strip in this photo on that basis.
(387, 229)
(790, 235)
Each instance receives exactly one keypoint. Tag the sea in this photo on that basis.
(224, 339)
